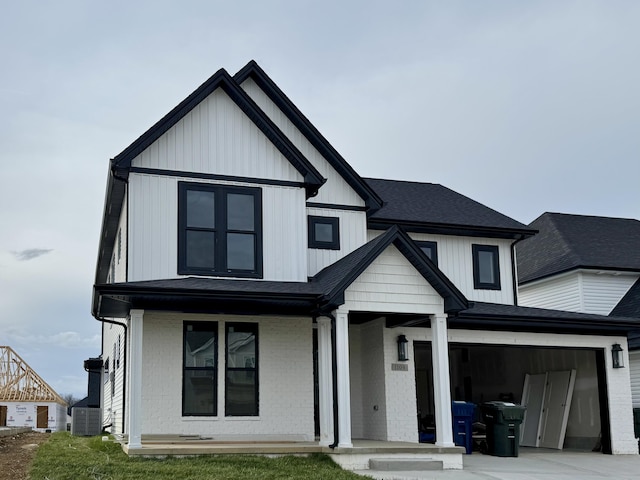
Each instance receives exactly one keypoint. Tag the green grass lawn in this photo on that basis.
(77, 458)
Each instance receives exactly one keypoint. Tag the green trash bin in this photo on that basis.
(503, 421)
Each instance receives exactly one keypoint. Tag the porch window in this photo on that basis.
(200, 372)
(220, 230)
(430, 249)
(324, 232)
(486, 267)
(241, 386)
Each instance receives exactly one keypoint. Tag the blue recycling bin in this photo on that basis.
(462, 414)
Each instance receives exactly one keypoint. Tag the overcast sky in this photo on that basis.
(526, 107)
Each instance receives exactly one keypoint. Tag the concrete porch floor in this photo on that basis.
(350, 458)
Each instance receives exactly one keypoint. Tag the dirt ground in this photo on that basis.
(16, 453)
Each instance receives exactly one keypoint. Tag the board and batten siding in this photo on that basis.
(335, 190)
(112, 399)
(353, 232)
(634, 372)
(455, 259)
(392, 284)
(216, 137)
(578, 291)
(153, 229)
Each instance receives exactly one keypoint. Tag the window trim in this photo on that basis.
(477, 284)
(213, 326)
(434, 249)
(256, 369)
(312, 221)
(221, 229)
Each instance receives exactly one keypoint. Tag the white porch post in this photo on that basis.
(135, 378)
(441, 381)
(344, 389)
(325, 381)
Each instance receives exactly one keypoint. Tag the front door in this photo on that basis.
(43, 417)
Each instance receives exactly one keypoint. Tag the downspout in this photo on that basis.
(514, 271)
(124, 363)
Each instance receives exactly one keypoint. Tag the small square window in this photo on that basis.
(430, 249)
(486, 267)
(324, 232)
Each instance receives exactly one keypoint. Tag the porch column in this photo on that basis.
(325, 381)
(441, 381)
(344, 389)
(135, 378)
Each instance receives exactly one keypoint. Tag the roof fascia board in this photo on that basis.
(114, 199)
(539, 325)
(446, 229)
(252, 70)
(576, 269)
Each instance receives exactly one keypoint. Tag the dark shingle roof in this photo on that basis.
(432, 206)
(566, 242)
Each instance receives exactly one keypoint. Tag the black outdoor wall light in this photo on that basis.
(616, 355)
(403, 348)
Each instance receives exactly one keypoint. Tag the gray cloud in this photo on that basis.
(31, 253)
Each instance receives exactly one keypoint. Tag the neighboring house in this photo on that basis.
(585, 264)
(254, 288)
(26, 400)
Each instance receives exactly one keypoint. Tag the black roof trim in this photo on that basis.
(493, 316)
(114, 200)
(252, 70)
(208, 295)
(221, 79)
(450, 229)
(340, 275)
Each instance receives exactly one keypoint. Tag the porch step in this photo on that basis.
(404, 464)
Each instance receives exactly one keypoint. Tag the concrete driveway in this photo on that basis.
(532, 464)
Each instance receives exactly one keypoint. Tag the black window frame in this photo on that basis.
(254, 327)
(206, 327)
(434, 249)
(477, 284)
(334, 244)
(221, 230)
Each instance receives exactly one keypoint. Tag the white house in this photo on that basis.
(585, 263)
(253, 287)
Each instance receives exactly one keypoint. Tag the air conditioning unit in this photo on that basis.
(86, 421)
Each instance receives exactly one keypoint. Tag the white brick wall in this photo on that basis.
(285, 380)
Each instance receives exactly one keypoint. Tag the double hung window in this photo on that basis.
(200, 372)
(220, 230)
(241, 387)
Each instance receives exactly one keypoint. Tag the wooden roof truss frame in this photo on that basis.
(20, 383)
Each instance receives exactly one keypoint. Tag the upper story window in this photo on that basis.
(430, 249)
(324, 232)
(486, 267)
(219, 230)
